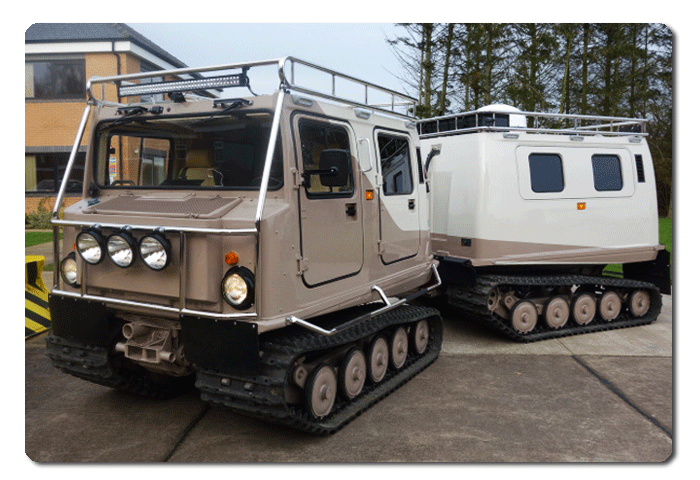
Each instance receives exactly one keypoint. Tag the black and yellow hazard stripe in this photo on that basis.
(37, 317)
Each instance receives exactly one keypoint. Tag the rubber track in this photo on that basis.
(473, 302)
(262, 396)
(92, 364)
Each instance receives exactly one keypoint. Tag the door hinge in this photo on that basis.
(381, 246)
(298, 179)
(302, 265)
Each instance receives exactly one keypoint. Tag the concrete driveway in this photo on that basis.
(603, 397)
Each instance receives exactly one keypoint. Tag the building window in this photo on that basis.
(44, 172)
(546, 173)
(156, 97)
(607, 173)
(55, 79)
(396, 165)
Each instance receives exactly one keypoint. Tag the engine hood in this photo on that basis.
(166, 204)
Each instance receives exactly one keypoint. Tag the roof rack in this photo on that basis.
(191, 80)
(513, 120)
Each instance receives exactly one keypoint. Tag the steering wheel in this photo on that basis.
(124, 182)
(255, 182)
(220, 181)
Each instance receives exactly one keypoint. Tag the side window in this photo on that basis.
(607, 173)
(546, 172)
(316, 137)
(396, 164)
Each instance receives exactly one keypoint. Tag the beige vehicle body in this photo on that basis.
(327, 212)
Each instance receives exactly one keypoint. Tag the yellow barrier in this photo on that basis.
(37, 318)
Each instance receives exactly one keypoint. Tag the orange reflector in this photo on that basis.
(231, 258)
(581, 206)
(369, 194)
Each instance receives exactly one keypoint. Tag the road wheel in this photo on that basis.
(610, 306)
(399, 348)
(378, 356)
(321, 387)
(639, 303)
(583, 308)
(524, 316)
(556, 313)
(353, 373)
(420, 336)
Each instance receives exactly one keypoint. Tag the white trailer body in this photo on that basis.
(492, 204)
(528, 210)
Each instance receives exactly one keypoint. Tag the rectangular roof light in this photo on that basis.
(238, 80)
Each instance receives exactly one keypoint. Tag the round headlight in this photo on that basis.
(155, 251)
(90, 246)
(120, 247)
(237, 288)
(69, 270)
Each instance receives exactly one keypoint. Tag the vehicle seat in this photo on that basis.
(199, 165)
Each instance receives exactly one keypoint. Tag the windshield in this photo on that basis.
(191, 153)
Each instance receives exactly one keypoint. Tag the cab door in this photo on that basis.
(398, 203)
(329, 201)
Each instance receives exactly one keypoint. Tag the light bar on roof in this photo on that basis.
(238, 80)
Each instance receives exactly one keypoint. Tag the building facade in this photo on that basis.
(59, 59)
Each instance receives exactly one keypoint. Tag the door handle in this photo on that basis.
(351, 209)
(411, 204)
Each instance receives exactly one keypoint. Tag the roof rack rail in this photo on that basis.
(510, 120)
(190, 80)
(394, 99)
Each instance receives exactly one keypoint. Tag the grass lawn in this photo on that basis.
(32, 237)
(666, 233)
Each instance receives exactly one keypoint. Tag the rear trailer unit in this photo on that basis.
(528, 209)
(264, 248)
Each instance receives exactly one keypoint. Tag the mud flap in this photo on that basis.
(456, 271)
(82, 321)
(656, 271)
(225, 346)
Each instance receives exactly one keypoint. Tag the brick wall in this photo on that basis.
(31, 204)
(55, 124)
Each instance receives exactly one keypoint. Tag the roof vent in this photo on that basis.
(514, 120)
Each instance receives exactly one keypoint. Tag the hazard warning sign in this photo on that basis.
(37, 318)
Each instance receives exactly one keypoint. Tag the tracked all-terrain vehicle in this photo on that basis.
(268, 245)
(528, 209)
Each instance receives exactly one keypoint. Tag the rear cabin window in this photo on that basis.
(396, 165)
(607, 173)
(546, 173)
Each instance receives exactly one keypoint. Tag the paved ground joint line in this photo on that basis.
(613, 388)
(186, 432)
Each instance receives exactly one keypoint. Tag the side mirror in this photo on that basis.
(333, 168)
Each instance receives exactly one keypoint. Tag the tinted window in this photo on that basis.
(607, 173)
(546, 173)
(396, 164)
(205, 152)
(315, 138)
